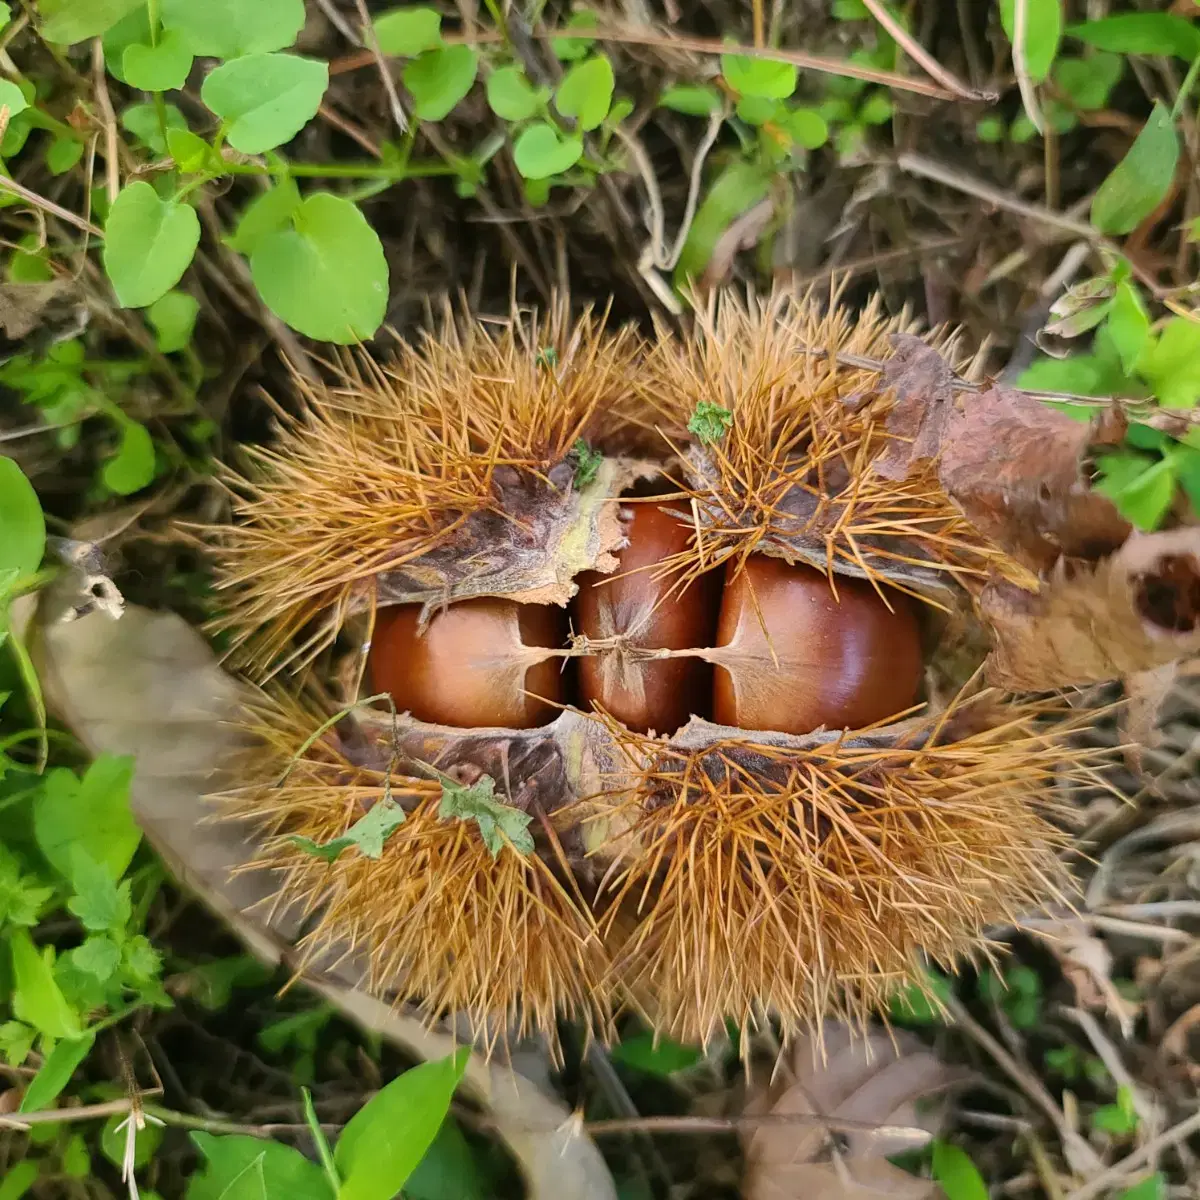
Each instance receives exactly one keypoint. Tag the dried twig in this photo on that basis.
(1120, 1171)
(385, 74)
(918, 53)
(63, 214)
(111, 173)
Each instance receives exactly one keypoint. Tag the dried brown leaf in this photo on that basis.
(874, 1080)
(1132, 612)
(1015, 466)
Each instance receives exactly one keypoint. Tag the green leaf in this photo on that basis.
(1153, 1187)
(229, 28)
(132, 467)
(448, 1170)
(1088, 81)
(1120, 1119)
(510, 95)
(385, 1140)
(249, 1168)
(148, 244)
(576, 46)
(805, 126)
(540, 153)
(98, 902)
(1171, 364)
(173, 318)
(692, 101)
(368, 833)
(958, 1175)
(917, 1004)
(22, 525)
(586, 92)
(587, 463)
(68, 21)
(439, 79)
(158, 68)
(1043, 32)
(99, 955)
(12, 98)
(710, 422)
(1141, 179)
(5, 14)
(409, 31)
(62, 154)
(1141, 33)
(37, 999)
(1142, 493)
(61, 1063)
(92, 812)
(1128, 324)
(662, 1058)
(327, 277)
(497, 821)
(757, 110)
(19, 1178)
(759, 76)
(16, 1041)
(189, 151)
(265, 99)
(737, 189)
(267, 213)
(142, 121)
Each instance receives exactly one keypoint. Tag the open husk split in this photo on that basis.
(711, 873)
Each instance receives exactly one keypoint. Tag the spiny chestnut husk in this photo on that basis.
(679, 711)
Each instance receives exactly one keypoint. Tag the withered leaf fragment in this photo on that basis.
(1015, 466)
(1134, 611)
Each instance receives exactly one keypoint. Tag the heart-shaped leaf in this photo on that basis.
(539, 152)
(148, 244)
(586, 92)
(158, 68)
(409, 31)
(510, 95)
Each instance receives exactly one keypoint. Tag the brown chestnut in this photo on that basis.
(645, 694)
(477, 663)
(795, 657)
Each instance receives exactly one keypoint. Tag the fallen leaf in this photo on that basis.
(1087, 965)
(1013, 465)
(1145, 694)
(147, 684)
(1133, 612)
(845, 1077)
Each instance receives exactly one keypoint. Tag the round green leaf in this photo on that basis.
(157, 68)
(409, 31)
(539, 152)
(148, 244)
(806, 127)
(268, 213)
(12, 98)
(958, 1175)
(439, 79)
(266, 98)
(1142, 33)
(326, 277)
(174, 318)
(510, 95)
(131, 28)
(759, 76)
(586, 92)
(22, 526)
(68, 21)
(757, 110)
(229, 28)
(142, 121)
(133, 466)
(692, 101)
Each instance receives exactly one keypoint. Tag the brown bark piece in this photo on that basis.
(1135, 611)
